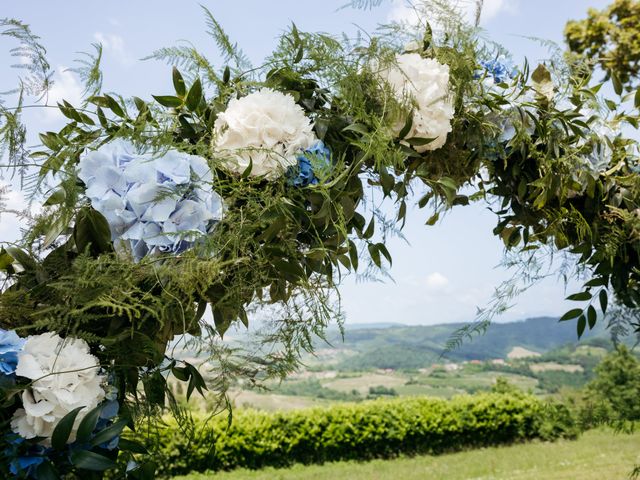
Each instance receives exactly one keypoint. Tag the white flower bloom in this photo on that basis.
(267, 128)
(143, 197)
(425, 83)
(65, 376)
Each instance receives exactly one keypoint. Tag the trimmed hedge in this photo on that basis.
(375, 429)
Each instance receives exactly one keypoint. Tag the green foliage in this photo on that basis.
(610, 38)
(613, 395)
(382, 391)
(378, 429)
(596, 455)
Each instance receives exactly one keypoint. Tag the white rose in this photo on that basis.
(267, 128)
(425, 83)
(65, 376)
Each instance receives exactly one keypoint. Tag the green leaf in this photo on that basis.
(5, 259)
(194, 96)
(402, 211)
(368, 233)
(603, 301)
(433, 219)
(181, 373)
(50, 140)
(597, 282)
(592, 316)
(91, 461)
(21, 257)
(178, 83)
(617, 84)
(88, 424)
(375, 254)
(386, 180)
(419, 142)
(580, 297)
(382, 248)
(571, 314)
(449, 189)
(61, 433)
(407, 126)
(55, 229)
(132, 446)
(582, 324)
(356, 127)
(56, 198)
(247, 171)
(636, 99)
(140, 104)
(226, 75)
(114, 106)
(92, 231)
(109, 433)
(168, 101)
(353, 254)
(46, 471)
(102, 118)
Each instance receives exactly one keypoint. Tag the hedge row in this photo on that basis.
(376, 429)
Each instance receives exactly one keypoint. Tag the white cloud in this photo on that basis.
(10, 223)
(115, 45)
(492, 8)
(407, 11)
(436, 281)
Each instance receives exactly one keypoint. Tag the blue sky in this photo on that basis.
(444, 272)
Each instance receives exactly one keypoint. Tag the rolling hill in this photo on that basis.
(399, 346)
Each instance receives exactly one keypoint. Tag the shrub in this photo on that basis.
(373, 429)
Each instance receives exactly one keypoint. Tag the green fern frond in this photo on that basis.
(229, 50)
(88, 70)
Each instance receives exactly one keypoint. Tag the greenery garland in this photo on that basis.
(136, 240)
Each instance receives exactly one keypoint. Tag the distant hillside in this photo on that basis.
(416, 346)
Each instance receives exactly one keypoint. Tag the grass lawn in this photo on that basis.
(597, 455)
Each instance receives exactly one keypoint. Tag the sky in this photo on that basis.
(441, 273)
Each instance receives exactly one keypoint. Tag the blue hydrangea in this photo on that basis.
(10, 345)
(24, 457)
(500, 69)
(109, 411)
(153, 203)
(314, 160)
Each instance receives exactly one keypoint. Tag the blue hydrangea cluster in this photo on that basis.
(25, 457)
(153, 203)
(10, 345)
(312, 161)
(500, 69)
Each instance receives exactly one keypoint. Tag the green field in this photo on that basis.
(597, 455)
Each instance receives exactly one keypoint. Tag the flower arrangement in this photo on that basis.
(168, 221)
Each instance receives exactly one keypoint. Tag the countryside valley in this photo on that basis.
(537, 355)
